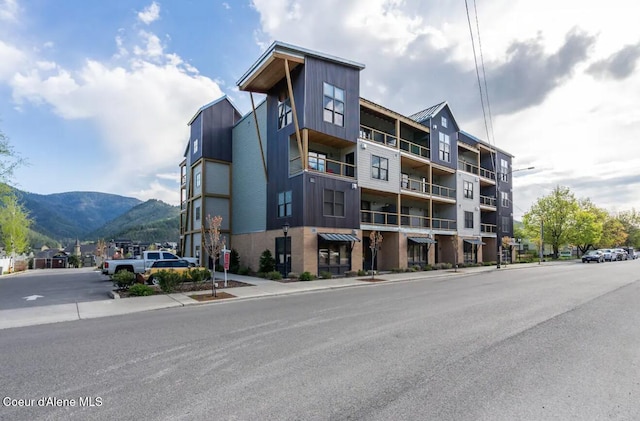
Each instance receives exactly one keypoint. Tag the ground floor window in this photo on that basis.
(469, 253)
(417, 254)
(334, 257)
(283, 256)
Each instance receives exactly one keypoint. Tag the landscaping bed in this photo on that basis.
(191, 287)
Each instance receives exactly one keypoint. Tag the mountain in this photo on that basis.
(67, 216)
(151, 221)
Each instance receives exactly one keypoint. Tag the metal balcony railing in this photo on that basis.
(377, 136)
(487, 228)
(444, 224)
(488, 201)
(415, 149)
(415, 221)
(378, 218)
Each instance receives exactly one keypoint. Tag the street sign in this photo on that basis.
(227, 259)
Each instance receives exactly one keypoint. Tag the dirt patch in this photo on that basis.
(371, 280)
(220, 295)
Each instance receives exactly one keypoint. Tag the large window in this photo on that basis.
(195, 146)
(506, 225)
(504, 199)
(468, 189)
(504, 170)
(333, 203)
(416, 254)
(443, 122)
(379, 168)
(468, 219)
(284, 204)
(334, 257)
(198, 179)
(285, 115)
(333, 103)
(445, 148)
(317, 161)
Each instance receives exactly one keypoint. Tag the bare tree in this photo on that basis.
(213, 242)
(375, 244)
(454, 241)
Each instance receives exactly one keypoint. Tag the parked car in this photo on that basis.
(609, 255)
(621, 254)
(593, 256)
(173, 265)
(141, 264)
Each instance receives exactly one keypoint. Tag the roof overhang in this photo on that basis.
(422, 240)
(269, 69)
(474, 241)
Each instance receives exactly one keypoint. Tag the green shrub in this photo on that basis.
(123, 279)
(140, 290)
(196, 276)
(441, 266)
(306, 276)
(168, 280)
(427, 267)
(267, 262)
(326, 275)
(274, 275)
(350, 273)
(234, 261)
(362, 272)
(293, 275)
(244, 270)
(416, 268)
(397, 270)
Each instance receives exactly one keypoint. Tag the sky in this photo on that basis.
(96, 95)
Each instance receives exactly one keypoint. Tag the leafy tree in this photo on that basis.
(74, 261)
(555, 213)
(587, 227)
(9, 161)
(613, 233)
(631, 222)
(267, 262)
(213, 242)
(14, 225)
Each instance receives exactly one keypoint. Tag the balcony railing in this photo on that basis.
(444, 224)
(415, 221)
(468, 167)
(415, 149)
(487, 174)
(443, 191)
(415, 185)
(378, 136)
(378, 218)
(183, 180)
(325, 165)
(488, 201)
(487, 228)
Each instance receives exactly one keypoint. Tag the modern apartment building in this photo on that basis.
(334, 167)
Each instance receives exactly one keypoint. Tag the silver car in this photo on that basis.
(610, 255)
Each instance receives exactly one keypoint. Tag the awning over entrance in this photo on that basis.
(422, 240)
(474, 241)
(339, 237)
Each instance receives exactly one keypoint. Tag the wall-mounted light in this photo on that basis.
(363, 146)
(354, 186)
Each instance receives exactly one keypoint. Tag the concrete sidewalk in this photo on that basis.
(259, 288)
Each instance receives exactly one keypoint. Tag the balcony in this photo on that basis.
(323, 165)
(487, 228)
(377, 136)
(415, 221)
(488, 201)
(487, 174)
(443, 191)
(415, 149)
(378, 218)
(468, 167)
(444, 224)
(415, 185)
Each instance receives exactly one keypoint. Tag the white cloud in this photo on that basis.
(226, 5)
(9, 10)
(141, 108)
(150, 13)
(11, 59)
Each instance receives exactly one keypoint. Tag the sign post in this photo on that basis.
(226, 254)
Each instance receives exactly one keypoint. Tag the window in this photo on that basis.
(198, 179)
(506, 226)
(285, 115)
(443, 122)
(284, 204)
(504, 198)
(445, 148)
(504, 170)
(468, 219)
(317, 161)
(197, 217)
(379, 168)
(195, 146)
(468, 189)
(333, 203)
(333, 103)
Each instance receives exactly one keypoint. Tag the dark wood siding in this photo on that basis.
(196, 132)
(217, 121)
(505, 186)
(313, 202)
(450, 130)
(344, 77)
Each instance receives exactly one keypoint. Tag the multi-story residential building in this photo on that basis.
(334, 167)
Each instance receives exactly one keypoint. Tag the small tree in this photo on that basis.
(455, 243)
(267, 262)
(375, 244)
(213, 243)
(74, 261)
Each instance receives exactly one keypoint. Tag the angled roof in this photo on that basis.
(420, 116)
(482, 142)
(211, 104)
(269, 68)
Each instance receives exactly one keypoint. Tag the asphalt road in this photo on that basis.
(52, 286)
(546, 343)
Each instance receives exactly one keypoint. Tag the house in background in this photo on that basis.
(334, 167)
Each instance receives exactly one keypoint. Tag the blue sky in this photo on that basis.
(96, 95)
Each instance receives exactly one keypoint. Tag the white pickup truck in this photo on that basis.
(140, 265)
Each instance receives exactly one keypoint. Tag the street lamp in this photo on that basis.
(498, 221)
(285, 231)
